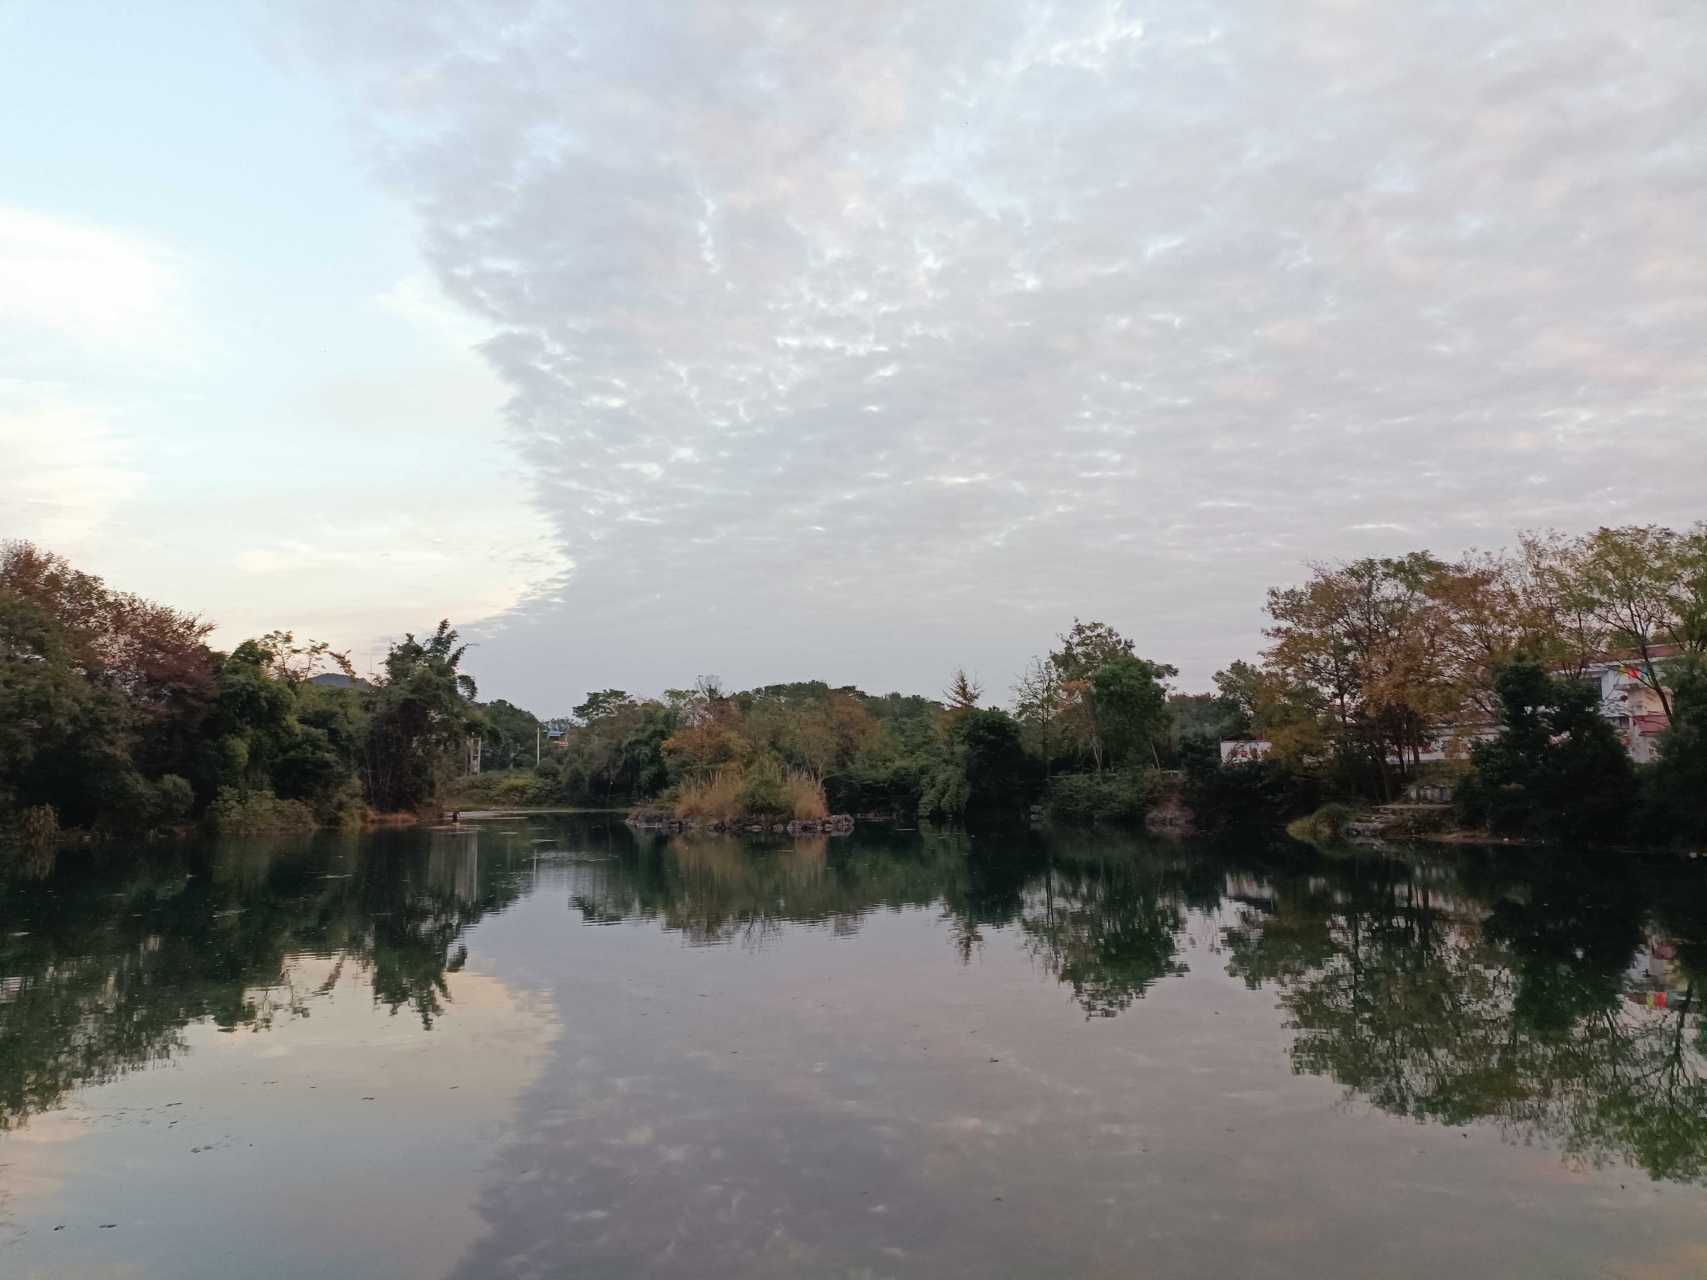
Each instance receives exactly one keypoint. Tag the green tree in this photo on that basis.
(982, 769)
(509, 736)
(1131, 707)
(1556, 767)
(1677, 784)
(422, 715)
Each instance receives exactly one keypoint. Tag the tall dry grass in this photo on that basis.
(759, 790)
(718, 796)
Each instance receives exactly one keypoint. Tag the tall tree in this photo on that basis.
(1630, 580)
(1037, 704)
(963, 692)
(1083, 650)
(1131, 707)
(423, 714)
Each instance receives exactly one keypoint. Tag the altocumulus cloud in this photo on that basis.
(862, 340)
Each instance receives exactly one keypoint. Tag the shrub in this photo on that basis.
(1257, 792)
(236, 812)
(1116, 794)
(174, 798)
(946, 792)
(514, 788)
(137, 807)
(1327, 825)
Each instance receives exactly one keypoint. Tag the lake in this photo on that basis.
(546, 1045)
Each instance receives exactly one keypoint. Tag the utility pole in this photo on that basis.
(536, 730)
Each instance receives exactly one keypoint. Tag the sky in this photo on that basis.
(855, 342)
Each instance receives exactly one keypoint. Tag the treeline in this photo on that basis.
(1370, 666)
(116, 715)
(1091, 709)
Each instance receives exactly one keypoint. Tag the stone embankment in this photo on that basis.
(1391, 821)
(756, 824)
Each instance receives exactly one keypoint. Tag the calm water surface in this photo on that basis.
(546, 1047)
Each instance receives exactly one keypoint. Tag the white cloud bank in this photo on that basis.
(866, 340)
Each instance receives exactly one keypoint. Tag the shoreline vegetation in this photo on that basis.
(1467, 684)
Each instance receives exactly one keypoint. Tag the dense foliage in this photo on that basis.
(1556, 767)
(1372, 662)
(1369, 660)
(116, 715)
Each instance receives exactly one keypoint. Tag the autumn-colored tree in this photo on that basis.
(1291, 717)
(1368, 638)
(963, 692)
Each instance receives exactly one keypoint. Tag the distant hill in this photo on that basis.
(338, 680)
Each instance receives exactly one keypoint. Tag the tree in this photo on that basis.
(963, 692)
(1368, 639)
(604, 702)
(1632, 581)
(1208, 717)
(42, 697)
(1556, 767)
(510, 737)
(1677, 784)
(422, 715)
(983, 769)
(1037, 704)
(1084, 650)
(1131, 706)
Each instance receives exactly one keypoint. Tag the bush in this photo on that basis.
(946, 792)
(174, 798)
(1327, 825)
(236, 812)
(885, 786)
(1116, 794)
(1257, 792)
(507, 789)
(138, 807)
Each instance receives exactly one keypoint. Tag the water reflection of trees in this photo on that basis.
(716, 889)
(1108, 929)
(106, 958)
(1453, 989)
(1488, 991)
(1100, 917)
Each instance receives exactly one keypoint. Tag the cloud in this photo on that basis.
(65, 285)
(869, 341)
(66, 473)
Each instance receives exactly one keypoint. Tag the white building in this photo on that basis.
(1628, 699)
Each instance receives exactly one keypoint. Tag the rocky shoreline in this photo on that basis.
(757, 824)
